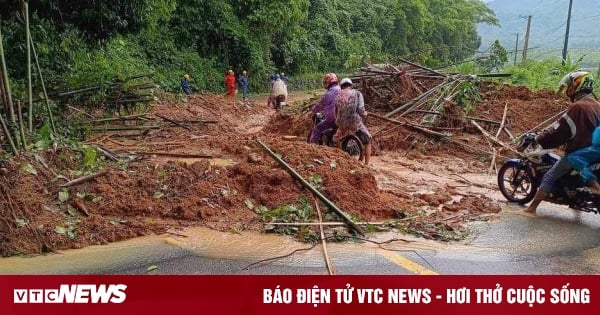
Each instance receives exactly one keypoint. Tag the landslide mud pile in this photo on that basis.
(203, 166)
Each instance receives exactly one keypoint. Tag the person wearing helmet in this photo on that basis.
(349, 114)
(284, 78)
(243, 82)
(230, 83)
(185, 85)
(573, 130)
(279, 92)
(326, 106)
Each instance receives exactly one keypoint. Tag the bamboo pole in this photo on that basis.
(179, 155)
(46, 98)
(313, 190)
(21, 126)
(424, 68)
(11, 107)
(114, 128)
(30, 89)
(328, 262)
(173, 121)
(7, 135)
(494, 139)
(543, 123)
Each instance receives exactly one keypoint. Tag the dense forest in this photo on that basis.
(82, 43)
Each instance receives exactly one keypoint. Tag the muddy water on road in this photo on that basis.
(247, 246)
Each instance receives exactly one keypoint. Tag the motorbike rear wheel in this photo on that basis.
(516, 183)
(353, 146)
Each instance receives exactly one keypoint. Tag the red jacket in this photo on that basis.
(230, 82)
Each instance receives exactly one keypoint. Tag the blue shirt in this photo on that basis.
(243, 80)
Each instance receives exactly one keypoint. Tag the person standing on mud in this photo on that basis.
(349, 114)
(185, 85)
(574, 130)
(243, 82)
(326, 106)
(230, 83)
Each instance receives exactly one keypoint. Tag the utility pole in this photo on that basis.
(564, 52)
(526, 45)
(516, 48)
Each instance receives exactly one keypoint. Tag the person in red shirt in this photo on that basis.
(230, 83)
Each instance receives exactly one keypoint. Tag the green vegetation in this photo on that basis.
(83, 44)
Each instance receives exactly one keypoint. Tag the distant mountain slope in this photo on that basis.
(548, 24)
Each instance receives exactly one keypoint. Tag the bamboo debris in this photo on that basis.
(313, 190)
(494, 139)
(179, 155)
(328, 262)
(115, 128)
(29, 86)
(173, 121)
(413, 126)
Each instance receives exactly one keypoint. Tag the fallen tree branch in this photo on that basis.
(84, 179)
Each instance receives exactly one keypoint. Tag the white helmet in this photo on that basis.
(346, 81)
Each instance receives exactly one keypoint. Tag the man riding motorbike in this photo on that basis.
(349, 114)
(326, 106)
(574, 129)
(279, 93)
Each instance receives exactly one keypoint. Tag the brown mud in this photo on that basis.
(428, 187)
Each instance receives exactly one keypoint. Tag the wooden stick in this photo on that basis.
(494, 139)
(84, 179)
(21, 126)
(173, 122)
(130, 117)
(508, 133)
(145, 127)
(328, 262)
(325, 223)
(413, 126)
(30, 88)
(181, 155)
(543, 123)
(493, 163)
(503, 120)
(79, 110)
(7, 135)
(78, 204)
(109, 155)
(47, 101)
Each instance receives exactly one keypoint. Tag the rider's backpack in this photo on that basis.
(347, 117)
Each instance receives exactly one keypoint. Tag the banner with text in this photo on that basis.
(299, 294)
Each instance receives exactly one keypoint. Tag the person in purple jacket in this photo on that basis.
(326, 106)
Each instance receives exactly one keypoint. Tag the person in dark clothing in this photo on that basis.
(185, 85)
(573, 130)
(243, 82)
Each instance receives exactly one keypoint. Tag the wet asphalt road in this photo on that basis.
(557, 241)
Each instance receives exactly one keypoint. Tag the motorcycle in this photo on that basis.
(350, 144)
(279, 102)
(519, 179)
